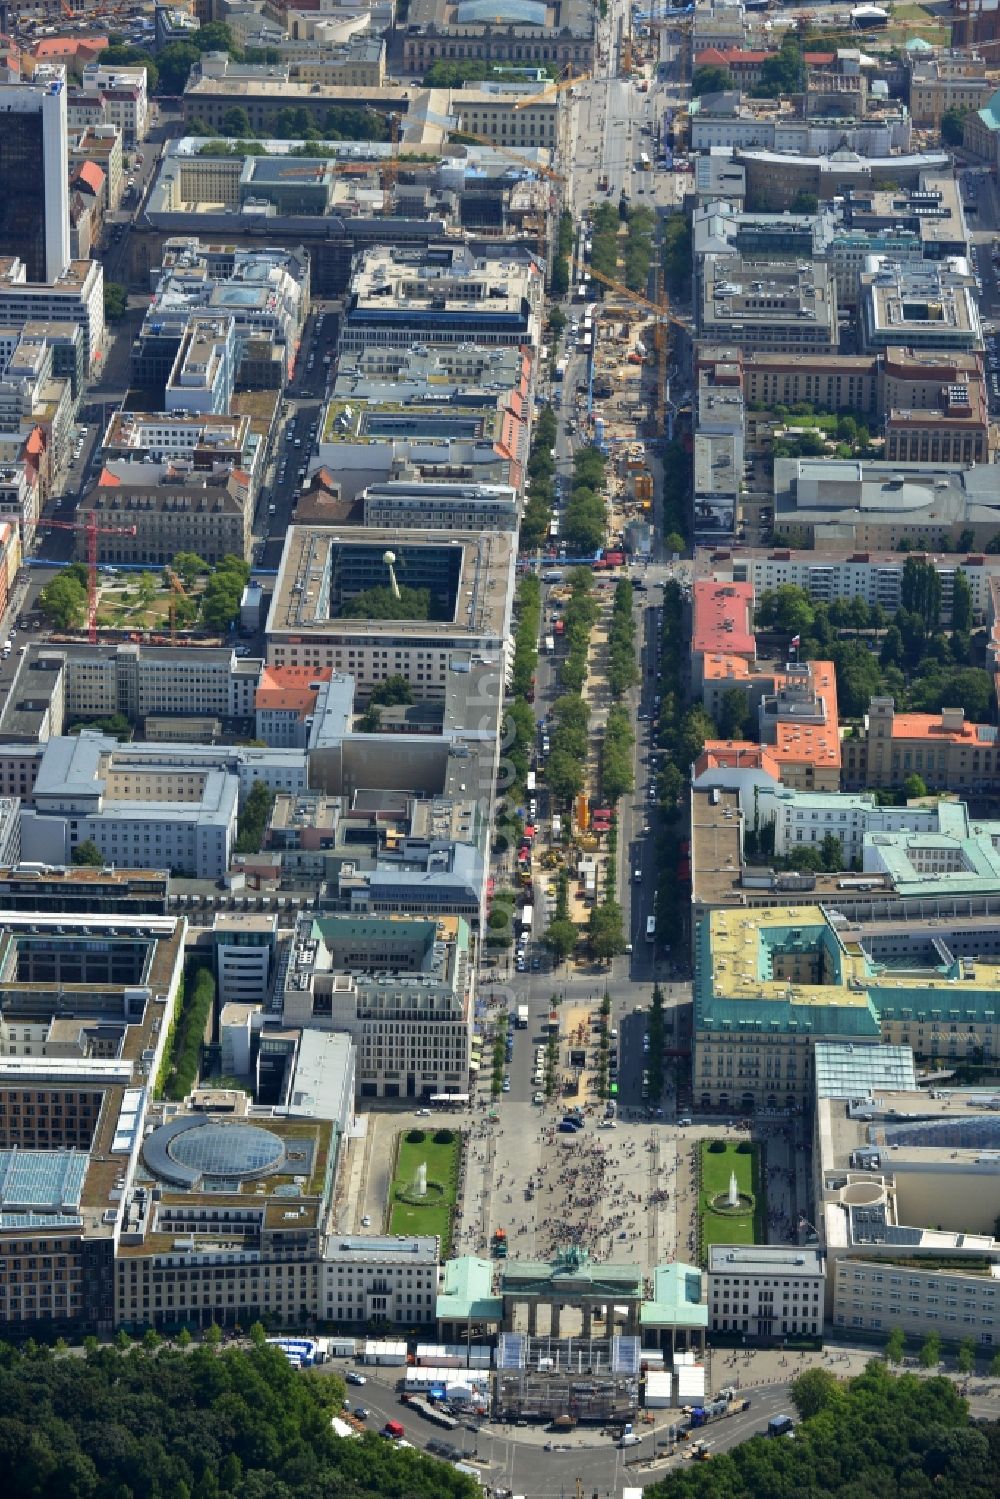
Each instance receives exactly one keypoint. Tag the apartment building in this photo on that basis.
(368, 1278)
(877, 577)
(124, 95)
(766, 1291)
(101, 144)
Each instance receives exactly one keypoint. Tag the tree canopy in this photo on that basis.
(873, 1437)
(163, 1423)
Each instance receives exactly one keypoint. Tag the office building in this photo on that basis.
(34, 191)
(469, 582)
(160, 509)
(86, 1009)
(923, 305)
(76, 295)
(368, 1278)
(411, 504)
(245, 947)
(139, 813)
(879, 506)
(783, 307)
(905, 1182)
(401, 988)
(766, 1291)
(942, 748)
(399, 298)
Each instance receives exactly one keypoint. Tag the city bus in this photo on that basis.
(650, 928)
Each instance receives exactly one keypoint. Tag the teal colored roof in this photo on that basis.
(468, 1291)
(773, 1017)
(677, 1298)
(917, 44)
(542, 1277)
(990, 113)
(958, 1003)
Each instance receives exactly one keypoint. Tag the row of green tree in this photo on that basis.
(540, 492)
(617, 778)
(638, 254)
(290, 123)
(604, 226)
(677, 472)
(561, 277)
(170, 1423)
(182, 1059)
(584, 523)
(579, 618)
(622, 670)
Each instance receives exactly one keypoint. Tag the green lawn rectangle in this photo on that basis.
(716, 1169)
(433, 1216)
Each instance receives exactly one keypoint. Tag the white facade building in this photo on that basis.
(766, 1290)
(374, 1279)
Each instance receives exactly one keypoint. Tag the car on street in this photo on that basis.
(506, 1085)
(361, 1412)
(538, 1097)
(353, 1377)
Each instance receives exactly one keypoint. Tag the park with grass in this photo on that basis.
(431, 1211)
(720, 1222)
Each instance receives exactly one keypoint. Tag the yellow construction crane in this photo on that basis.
(553, 89)
(658, 311)
(530, 166)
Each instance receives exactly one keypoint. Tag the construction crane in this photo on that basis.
(529, 166)
(553, 89)
(181, 591)
(92, 530)
(660, 312)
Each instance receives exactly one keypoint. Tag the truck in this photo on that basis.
(526, 918)
(559, 373)
(780, 1426)
(430, 1411)
(393, 1430)
(499, 1244)
(556, 827)
(522, 1017)
(560, 626)
(550, 644)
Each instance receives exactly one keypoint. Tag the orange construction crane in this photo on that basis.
(92, 531)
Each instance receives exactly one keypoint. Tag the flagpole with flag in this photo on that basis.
(795, 645)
